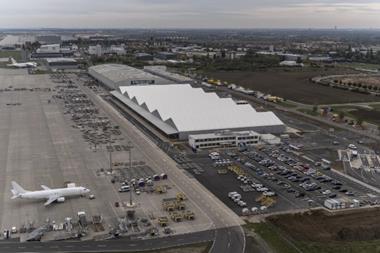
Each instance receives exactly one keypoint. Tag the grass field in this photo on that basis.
(272, 238)
(318, 226)
(368, 115)
(15, 54)
(356, 231)
(294, 85)
(360, 65)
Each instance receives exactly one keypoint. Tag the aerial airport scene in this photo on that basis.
(170, 126)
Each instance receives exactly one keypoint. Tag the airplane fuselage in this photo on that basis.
(23, 65)
(51, 195)
(46, 194)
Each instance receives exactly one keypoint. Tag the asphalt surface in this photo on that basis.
(122, 245)
(228, 240)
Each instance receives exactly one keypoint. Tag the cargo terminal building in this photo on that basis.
(180, 110)
(115, 75)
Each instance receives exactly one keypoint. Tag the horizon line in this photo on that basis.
(192, 28)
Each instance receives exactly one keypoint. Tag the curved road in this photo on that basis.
(225, 240)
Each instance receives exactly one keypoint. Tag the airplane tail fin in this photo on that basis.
(13, 61)
(16, 190)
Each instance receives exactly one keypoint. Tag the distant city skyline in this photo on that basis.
(190, 14)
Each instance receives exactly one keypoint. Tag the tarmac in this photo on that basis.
(40, 146)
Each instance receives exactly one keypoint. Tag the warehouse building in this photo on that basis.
(166, 56)
(49, 39)
(179, 110)
(116, 75)
(62, 63)
(161, 70)
(144, 57)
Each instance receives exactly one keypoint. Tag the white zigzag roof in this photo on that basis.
(192, 109)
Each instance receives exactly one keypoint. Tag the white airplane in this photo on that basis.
(50, 195)
(22, 64)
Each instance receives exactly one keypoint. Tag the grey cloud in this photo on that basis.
(188, 13)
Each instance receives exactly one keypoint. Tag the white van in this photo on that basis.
(124, 188)
(352, 146)
(269, 194)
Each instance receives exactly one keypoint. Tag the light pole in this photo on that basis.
(110, 161)
(110, 152)
(130, 167)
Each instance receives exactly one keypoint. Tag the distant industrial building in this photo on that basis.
(95, 50)
(326, 59)
(62, 63)
(162, 71)
(51, 48)
(98, 50)
(143, 57)
(285, 56)
(179, 110)
(52, 51)
(49, 39)
(118, 50)
(166, 56)
(116, 75)
(291, 64)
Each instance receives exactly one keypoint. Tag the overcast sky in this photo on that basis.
(190, 13)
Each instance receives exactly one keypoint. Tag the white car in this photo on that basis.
(14, 230)
(230, 194)
(243, 178)
(262, 189)
(269, 194)
(352, 146)
(326, 192)
(263, 208)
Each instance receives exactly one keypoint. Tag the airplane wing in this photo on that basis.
(51, 200)
(45, 187)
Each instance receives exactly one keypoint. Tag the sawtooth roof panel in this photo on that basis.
(192, 109)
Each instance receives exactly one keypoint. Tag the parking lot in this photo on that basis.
(273, 178)
(223, 179)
